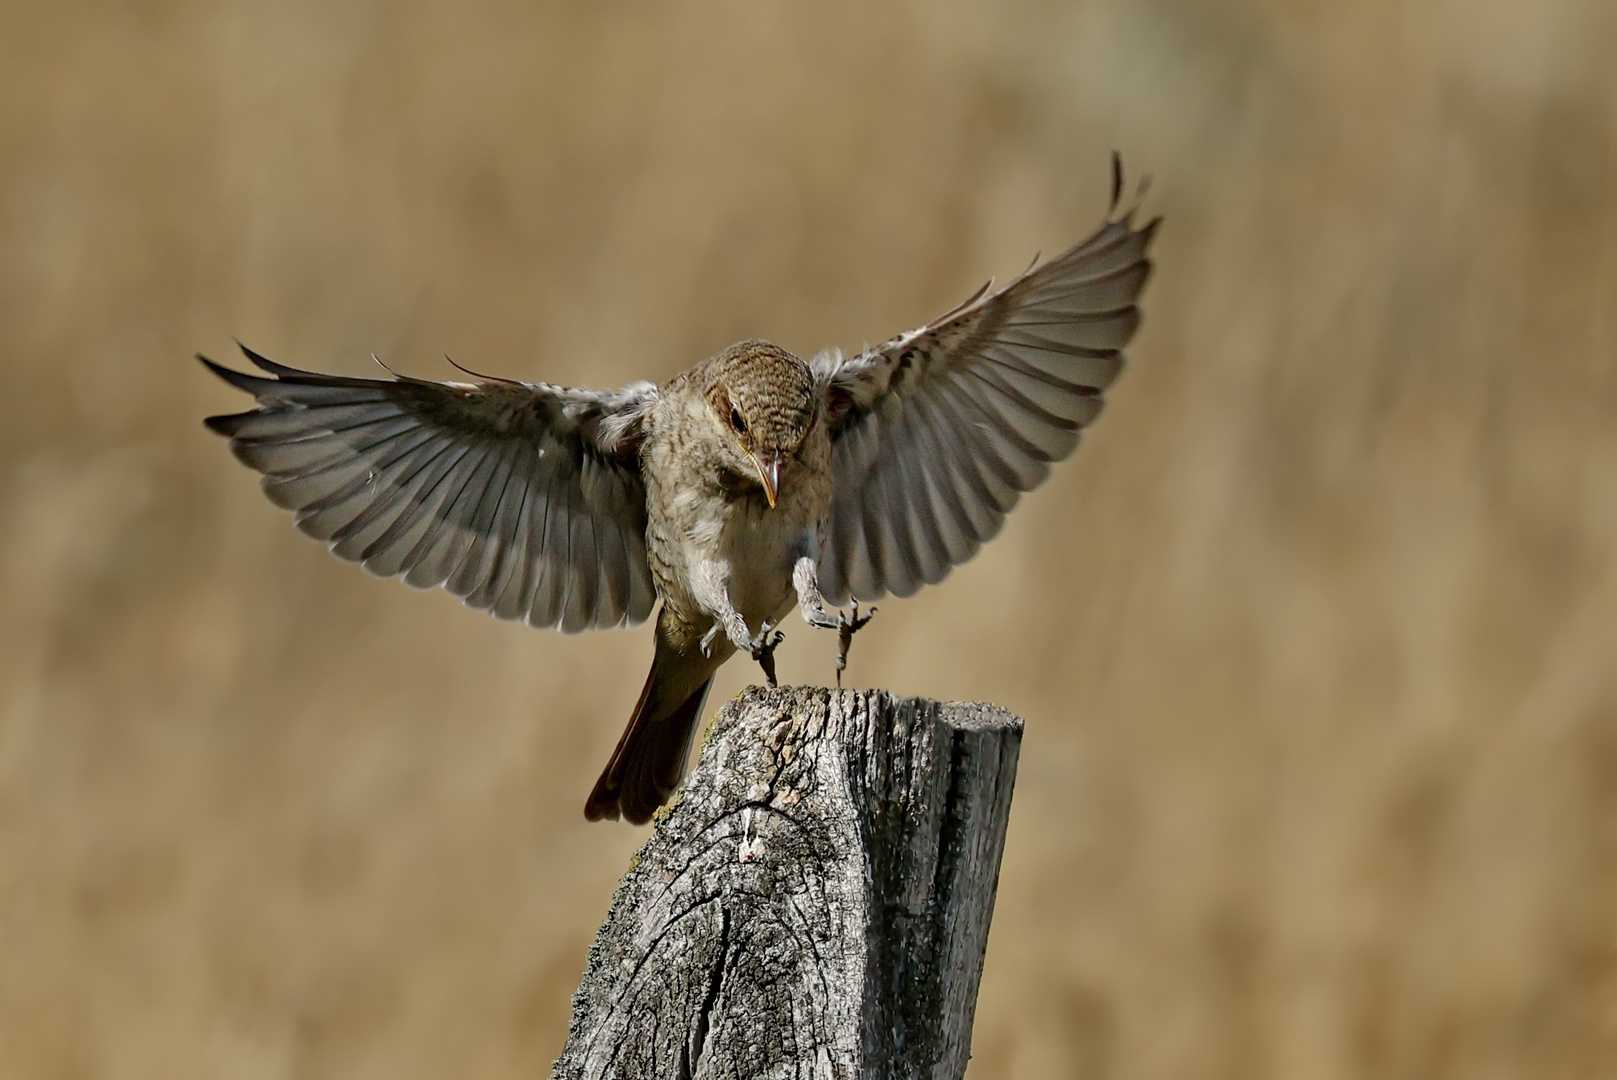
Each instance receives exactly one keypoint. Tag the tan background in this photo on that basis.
(1316, 638)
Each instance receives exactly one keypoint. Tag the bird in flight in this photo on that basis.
(752, 483)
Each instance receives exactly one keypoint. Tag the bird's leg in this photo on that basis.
(763, 650)
(713, 591)
(761, 647)
(845, 632)
(806, 579)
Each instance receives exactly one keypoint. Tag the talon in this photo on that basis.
(707, 639)
(763, 651)
(847, 627)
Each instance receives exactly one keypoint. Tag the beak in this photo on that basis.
(769, 472)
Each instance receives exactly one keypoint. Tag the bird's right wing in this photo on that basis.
(938, 432)
(522, 499)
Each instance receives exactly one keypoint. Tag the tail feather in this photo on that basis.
(650, 758)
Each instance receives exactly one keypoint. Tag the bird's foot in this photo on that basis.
(763, 648)
(821, 619)
(847, 626)
(708, 638)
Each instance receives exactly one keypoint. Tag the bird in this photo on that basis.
(752, 483)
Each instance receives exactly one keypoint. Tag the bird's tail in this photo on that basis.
(650, 758)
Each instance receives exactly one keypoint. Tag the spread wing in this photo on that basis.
(524, 500)
(938, 432)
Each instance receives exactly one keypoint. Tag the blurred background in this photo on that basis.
(1316, 637)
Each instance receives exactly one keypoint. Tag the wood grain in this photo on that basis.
(816, 900)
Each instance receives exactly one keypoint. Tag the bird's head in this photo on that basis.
(763, 399)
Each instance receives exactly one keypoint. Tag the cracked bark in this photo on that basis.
(815, 903)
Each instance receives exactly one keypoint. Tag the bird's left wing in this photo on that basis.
(938, 432)
(522, 499)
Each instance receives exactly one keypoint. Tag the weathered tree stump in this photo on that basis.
(815, 902)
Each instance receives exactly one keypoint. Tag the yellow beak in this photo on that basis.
(768, 475)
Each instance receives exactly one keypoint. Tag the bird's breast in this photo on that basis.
(756, 544)
(702, 511)
(761, 544)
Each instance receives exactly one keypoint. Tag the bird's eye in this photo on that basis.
(737, 422)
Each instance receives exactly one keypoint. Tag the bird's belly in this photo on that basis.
(761, 548)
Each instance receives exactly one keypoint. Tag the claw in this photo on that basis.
(763, 650)
(707, 639)
(847, 627)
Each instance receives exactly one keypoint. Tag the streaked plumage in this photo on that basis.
(749, 484)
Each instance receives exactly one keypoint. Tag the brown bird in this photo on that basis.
(752, 483)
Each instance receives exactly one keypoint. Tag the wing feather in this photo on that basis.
(544, 606)
(433, 556)
(613, 589)
(504, 593)
(523, 499)
(948, 485)
(478, 563)
(323, 516)
(938, 432)
(389, 554)
(493, 551)
(407, 477)
(581, 577)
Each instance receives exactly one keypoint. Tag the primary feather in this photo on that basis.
(522, 499)
(938, 432)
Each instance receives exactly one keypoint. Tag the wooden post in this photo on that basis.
(814, 903)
